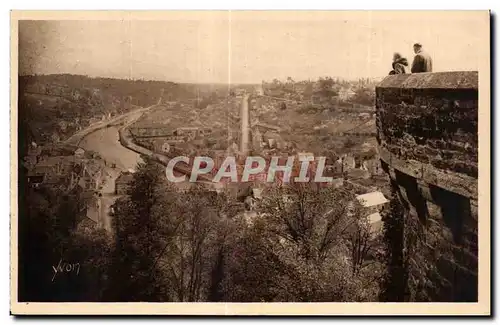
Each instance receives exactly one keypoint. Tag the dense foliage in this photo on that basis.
(308, 244)
(395, 281)
(56, 106)
(49, 239)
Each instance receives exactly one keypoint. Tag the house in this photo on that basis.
(173, 139)
(364, 116)
(205, 131)
(54, 137)
(250, 203)
(271, 143)
(63, 125)
(91, 204)
(79, 153)
(257, 193)
(348, 162)
(367, 146)
(55, 165)
(334, 169)
(165, 147)
(52, 171)
(305, 156)
(375, 220)
(249, 217)
(190, 132)
(373, 166)
(35, 179)
(372, 200)
(345, 94)
(337, 183)
(55, 181)
(273, 139)
(239, 91)
(86, 225)
(358, 173)
(91, 175)
(263, 127)
(122, 183)
(233, 148)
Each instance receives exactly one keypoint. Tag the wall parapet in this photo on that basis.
(428, 123)
(427, 131)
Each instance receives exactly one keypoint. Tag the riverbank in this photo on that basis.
(103, 139)
(126, 140)
(76, 138)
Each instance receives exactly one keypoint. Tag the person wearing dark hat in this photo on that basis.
(422, 61)
(399, 64)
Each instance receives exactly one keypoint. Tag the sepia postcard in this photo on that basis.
(250, 163)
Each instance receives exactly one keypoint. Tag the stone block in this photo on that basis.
(427, 135)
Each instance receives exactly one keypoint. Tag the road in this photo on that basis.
(129, 116)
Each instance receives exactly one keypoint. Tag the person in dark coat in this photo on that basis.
(422, 61)
(399, 64)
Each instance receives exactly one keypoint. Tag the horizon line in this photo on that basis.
(195, 82)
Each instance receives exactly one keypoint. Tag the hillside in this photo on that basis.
(52, 107)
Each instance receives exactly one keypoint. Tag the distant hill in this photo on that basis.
(52, 107)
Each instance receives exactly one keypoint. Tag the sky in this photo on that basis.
(248, 47)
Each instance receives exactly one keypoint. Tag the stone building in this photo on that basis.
(165, 147)
(348, 162)
(190, 132)
(79, 153)
(373, 166)
(427, 132)
(373, 203)
(122, 183)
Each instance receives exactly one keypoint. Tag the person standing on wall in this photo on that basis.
(422, 61)
(399, 64)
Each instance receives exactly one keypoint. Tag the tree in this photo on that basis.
(49, 236)
(360, 243)
(326, 88)
(364, 96)
(192, 249)
(395, 280)
(308, 90)
(142, 229)
(296, 250)
(168, 242)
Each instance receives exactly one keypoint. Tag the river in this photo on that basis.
(106, 143)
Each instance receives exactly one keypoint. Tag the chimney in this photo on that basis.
(244, 116)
